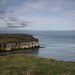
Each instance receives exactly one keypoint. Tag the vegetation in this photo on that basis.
(11, 38)
(14, 35)
(19, 64)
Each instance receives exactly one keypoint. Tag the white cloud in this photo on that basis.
(53, 5)
(36, 5)
(71, 13)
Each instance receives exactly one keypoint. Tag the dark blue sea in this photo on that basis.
(58, 47)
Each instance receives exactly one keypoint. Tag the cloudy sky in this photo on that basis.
(37, 14)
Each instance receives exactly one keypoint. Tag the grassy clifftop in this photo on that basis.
(20, 64)
(9, 38)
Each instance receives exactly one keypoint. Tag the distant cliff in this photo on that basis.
(17, 41)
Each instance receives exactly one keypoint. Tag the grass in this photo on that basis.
(19, 64)
(16, 38)
(13, 35)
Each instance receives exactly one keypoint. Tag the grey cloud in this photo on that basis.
(2, 12)
(10, 30)
(11, 26)
(12, 18)
(13, 22)
(10, 11)
(8, 20)
(6, 1)
(17, 24)
(3, 1)
(24, 23)
(2, 17)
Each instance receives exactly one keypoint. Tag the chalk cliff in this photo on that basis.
(17, 41)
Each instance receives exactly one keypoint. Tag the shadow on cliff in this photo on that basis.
(31, 51)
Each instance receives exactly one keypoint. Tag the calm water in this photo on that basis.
(62, 48)
(57, 47)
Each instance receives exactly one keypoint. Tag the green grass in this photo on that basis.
(20, 64)
(13, 35)
(6, 35)
(16, 38)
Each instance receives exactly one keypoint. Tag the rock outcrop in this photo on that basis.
(17, 41)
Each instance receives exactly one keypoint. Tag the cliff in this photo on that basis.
(17, 41)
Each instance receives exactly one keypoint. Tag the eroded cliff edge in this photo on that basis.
(17, 41)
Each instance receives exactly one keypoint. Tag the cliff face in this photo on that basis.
(18, 42)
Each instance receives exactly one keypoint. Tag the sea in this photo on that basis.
(58, 47)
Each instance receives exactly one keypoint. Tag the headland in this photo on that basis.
(17, 41)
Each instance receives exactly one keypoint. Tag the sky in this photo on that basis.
(37, 15)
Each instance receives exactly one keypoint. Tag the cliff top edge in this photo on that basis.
(16, 38)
